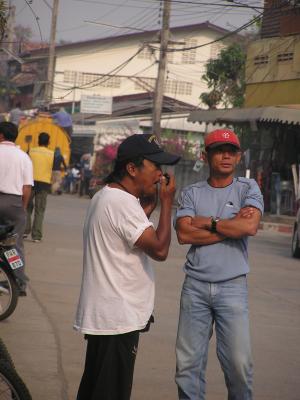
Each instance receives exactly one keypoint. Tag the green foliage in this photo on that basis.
(7, 88)
(225, 76)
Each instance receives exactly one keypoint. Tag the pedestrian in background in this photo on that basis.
(85, 174)
(117, 291)
(16, 180)
(42, 160)
(58, 165)
(216, 217)
(16, 114)
(64, 120)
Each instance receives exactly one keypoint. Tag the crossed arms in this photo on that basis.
(196, 230)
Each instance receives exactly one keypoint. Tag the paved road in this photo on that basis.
(49, 354)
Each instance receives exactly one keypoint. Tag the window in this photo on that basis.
(215, 49)
(146, 53)
(189, 56)
(178, 87)
(145, 84)
(288, 56)
(261, 60)
(171, 86)
(84, 78)
(111, 82)
(69, 76)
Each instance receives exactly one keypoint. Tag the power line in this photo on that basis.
(115, 26)
(249, 23)
(36, 19)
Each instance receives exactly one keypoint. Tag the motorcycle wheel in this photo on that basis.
(4, 354)
(11, 385)
(9, 293)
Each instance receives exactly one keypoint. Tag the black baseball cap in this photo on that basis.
(147, 146)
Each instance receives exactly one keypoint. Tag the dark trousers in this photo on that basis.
(109, 366)
(12, 211)
(38, 202)
(84, 186)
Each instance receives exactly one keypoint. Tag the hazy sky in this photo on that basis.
(73, 15)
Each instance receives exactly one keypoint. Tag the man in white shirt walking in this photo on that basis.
(117, 292)
(16, 180)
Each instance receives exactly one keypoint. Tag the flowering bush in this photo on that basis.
(187, 149)
(106, 147)
(110, 151)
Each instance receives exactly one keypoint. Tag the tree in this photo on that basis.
(225, 76)
(3, 18)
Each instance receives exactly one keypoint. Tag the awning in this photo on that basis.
(283, 115)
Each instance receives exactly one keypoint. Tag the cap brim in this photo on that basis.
(163, 158)
(218, 144)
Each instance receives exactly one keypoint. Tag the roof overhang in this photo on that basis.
(280, 114)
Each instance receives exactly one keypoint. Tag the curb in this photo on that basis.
(276, 227)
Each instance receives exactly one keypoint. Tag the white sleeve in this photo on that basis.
(27, 171)
(131, 222)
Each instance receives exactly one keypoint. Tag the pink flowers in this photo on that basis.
(110, 151)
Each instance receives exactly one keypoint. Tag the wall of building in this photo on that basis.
(86, 67)
(273, 93)
(273, 72)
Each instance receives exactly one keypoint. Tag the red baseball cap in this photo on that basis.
(221, 136)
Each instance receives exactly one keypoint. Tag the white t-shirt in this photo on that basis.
(15, 169)
(117, 290)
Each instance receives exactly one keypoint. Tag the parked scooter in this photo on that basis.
(10, 261)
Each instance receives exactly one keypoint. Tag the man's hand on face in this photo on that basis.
(149, 203)
(167, 191)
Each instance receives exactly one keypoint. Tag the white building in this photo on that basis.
(127, 64)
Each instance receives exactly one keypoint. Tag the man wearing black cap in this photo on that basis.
(117, 292)
(216, 217)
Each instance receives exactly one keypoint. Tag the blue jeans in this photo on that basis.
(224, 304)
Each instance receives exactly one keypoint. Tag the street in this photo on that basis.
(49, 354)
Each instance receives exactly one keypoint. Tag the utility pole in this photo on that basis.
(51, 60)
(11, 28)
(160, 80)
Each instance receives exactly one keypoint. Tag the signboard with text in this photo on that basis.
(94, 104)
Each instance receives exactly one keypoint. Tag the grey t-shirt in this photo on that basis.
(227, 259)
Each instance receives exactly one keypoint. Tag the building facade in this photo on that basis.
(273, 62)
(127, 64)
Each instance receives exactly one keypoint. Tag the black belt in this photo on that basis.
(11, 194)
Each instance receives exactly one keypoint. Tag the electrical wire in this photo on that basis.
(36, 19)
(231, 33)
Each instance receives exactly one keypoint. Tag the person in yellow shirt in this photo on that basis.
(42, 161)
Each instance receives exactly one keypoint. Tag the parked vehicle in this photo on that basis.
(11, 385)
(296, 237)
(10, 261)
(30, 129)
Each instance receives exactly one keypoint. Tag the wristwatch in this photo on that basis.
(213, 226)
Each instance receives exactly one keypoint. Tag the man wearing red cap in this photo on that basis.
(216, 217)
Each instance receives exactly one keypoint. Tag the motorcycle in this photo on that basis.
(10, 262)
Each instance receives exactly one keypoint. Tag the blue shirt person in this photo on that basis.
(63, 119)
(216, 217)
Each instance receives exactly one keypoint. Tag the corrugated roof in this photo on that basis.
(269, 114)
(24, 79)
(136, 103)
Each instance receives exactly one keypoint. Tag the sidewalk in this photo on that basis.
(277, 223)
